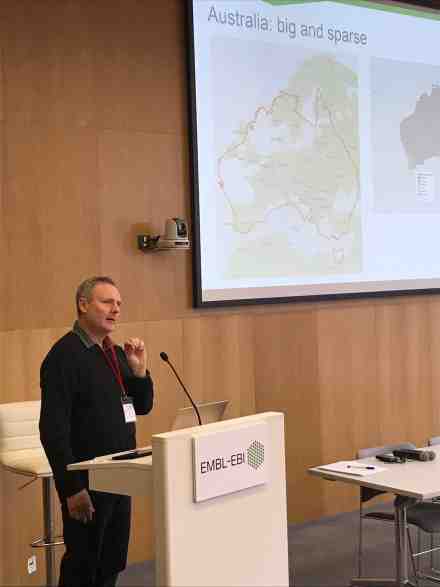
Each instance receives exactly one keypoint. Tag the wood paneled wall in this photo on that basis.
(94, 149)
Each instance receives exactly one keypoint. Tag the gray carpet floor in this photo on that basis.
(321, 553)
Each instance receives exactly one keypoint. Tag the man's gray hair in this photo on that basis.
(86, 287)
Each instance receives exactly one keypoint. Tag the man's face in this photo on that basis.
(100, 314)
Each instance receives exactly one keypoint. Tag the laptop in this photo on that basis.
(209, 412)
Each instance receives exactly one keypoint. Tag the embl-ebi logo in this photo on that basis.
(255, 454)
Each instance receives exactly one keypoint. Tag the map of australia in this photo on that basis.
(405, 137)
(420, 131)
(289, 178)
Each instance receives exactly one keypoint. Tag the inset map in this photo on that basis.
(405, 136)
(420, 131)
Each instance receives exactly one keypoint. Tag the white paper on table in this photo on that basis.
(352, 468)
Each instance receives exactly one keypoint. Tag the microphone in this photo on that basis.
(165, 358)
(414, 454)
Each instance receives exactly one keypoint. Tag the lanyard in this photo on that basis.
(113, 363)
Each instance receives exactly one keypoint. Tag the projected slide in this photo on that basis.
(317, 149)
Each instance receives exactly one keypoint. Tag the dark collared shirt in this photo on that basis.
(81, 409)
(84, 337)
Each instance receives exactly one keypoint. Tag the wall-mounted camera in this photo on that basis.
(174, 238)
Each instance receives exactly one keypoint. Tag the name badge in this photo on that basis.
(129, 413)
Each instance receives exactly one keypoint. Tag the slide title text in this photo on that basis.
(285, 26)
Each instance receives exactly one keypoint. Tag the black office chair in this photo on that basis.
(422, 515)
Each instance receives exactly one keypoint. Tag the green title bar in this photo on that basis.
(399, 8)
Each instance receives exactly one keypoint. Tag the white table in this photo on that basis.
(412, 481)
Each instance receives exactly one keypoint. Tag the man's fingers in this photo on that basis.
(80, 507)
(83, 517)
(134, 344)
(88, 517)
(84, 513)
(128, 347)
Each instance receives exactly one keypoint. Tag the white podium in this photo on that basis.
(238, 538)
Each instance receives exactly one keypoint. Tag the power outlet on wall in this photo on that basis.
(32, 564)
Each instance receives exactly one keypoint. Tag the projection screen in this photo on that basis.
(315, 149)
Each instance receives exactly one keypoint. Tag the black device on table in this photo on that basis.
(389, 457)
(401, 455)
(134, 454)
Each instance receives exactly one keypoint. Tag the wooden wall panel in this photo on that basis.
(347, 383)
(139, 54)
(49, 65)
(21, 354)
(50, 220)
(434, 364)
(286, 380)
(3, 256)
(217, 361)
(404, 360)
(2, 67)
(418, 370)
(3, 253)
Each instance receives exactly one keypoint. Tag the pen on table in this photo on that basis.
(370, 467)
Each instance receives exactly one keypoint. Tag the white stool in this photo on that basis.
(21, 452)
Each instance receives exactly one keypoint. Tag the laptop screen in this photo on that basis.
(209, 412)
